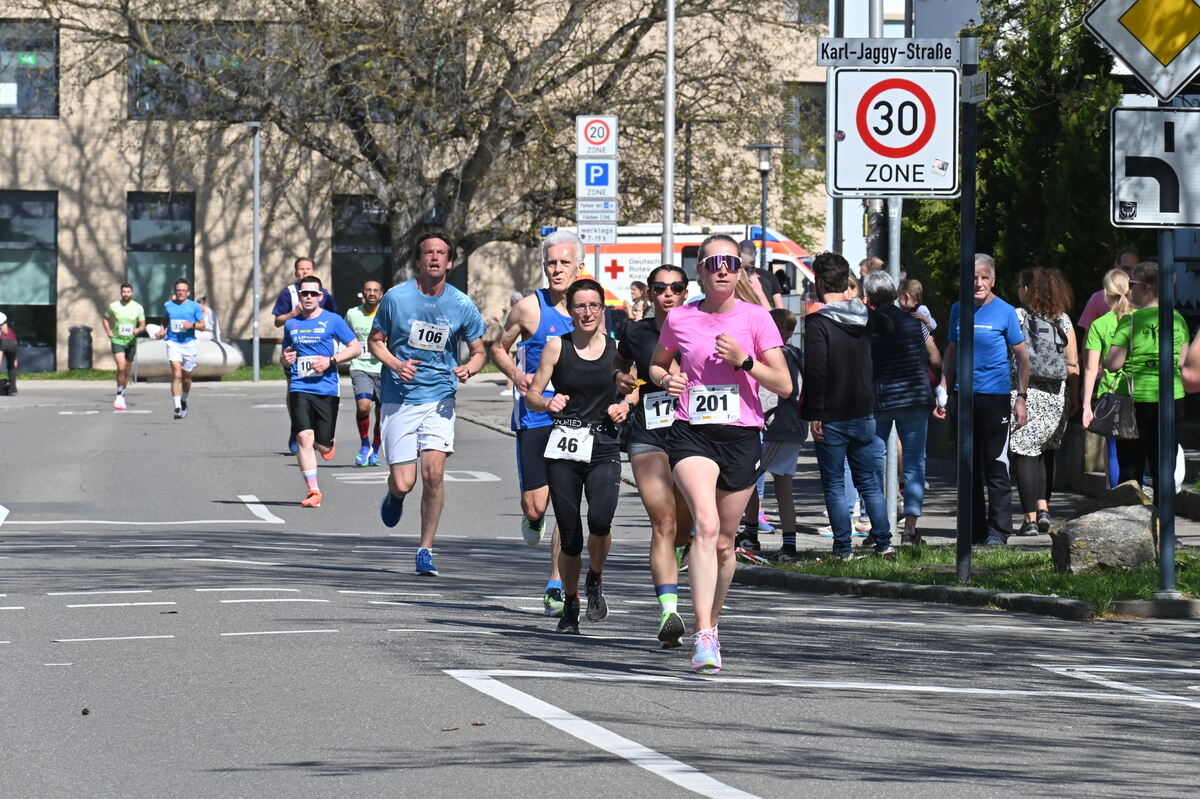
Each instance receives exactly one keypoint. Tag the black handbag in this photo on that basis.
(1112, 414)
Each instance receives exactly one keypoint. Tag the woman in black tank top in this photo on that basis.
(583, 455)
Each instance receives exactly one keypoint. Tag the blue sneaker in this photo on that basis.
(706, 657)
(374, 459)
(293, 444)
(391, 509)
(425, 567)
(364, 455)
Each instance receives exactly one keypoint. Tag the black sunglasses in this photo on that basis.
(308, 293)
(678, 287)
(713, 263)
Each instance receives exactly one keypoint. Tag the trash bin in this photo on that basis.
(79, 347)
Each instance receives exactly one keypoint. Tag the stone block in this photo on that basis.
(1116, 537)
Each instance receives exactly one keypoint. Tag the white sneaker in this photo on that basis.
(119, 403)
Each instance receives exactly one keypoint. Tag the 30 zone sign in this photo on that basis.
(893, 133)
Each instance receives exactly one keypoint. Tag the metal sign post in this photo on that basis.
(1164, 494)
(966, 326)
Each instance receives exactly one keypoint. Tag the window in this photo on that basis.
(28, 272)
(804, 123)
(159, 246)
(362, 247)
(28, 68)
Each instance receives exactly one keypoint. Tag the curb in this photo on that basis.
(1158, 608)
(767, 577)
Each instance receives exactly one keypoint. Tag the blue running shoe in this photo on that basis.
(706, 657)
(364, 455)
(425, 567)
(293, 444)
(374, 459)
(391, 509)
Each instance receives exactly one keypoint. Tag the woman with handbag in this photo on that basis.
(1098, 381)
(1053, 383)
(1135, 349)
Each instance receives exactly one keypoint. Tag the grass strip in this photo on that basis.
(1012, 569)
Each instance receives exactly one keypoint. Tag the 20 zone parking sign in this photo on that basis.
(893, 133)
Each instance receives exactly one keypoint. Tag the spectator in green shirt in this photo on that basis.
(1135, 349)
(1096, 380)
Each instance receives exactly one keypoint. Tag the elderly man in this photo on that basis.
(997, 332)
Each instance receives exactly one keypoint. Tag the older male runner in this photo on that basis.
(415, 336)
(534, 319)
(184, 318)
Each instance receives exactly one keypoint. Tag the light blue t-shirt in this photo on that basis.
(186, 311)
(996, 329)
(315, 336)
(426, 329)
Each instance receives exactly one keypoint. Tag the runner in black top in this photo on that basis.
(583, 454)
(670, 519)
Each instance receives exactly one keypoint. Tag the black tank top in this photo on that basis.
(588, 384)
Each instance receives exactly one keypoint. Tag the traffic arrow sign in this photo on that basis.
(1154, 151)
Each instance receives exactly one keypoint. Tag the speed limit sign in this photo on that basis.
(893, 133)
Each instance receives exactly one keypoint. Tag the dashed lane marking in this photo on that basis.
(278, 632)
(90, 593)
(446, 630)
(245, 588)
(233, 560)
(270, 599)
(113, 638)
(119, 604)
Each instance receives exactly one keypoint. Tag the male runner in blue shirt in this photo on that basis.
(184, 318)
(415, 336)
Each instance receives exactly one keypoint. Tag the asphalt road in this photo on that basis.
(173, 624)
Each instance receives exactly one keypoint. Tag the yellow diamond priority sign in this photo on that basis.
(1159, 40)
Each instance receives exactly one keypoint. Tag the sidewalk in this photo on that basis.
(481, 402)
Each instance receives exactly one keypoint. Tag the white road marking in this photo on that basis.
(128, 412)
(38, 546)
(296, 548)
(281, 632)
(13, 607)
(153, 546)
(114, 591)
(933, 651)
(469, 477)
(245, 588)
(58, 664)
(77, 413)
(732, 616)
(270, 599)
(868, 622)
(232, 560)
(259, 509)
(3, 514)
(441, 630)
(656, 763)
(387, 593)
(808, 609)
(269, 405)
(1148, 694)
(119, 604)
(149, 524)
(115, 638)
(386, 602)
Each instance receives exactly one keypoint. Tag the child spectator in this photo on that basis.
(911, 299)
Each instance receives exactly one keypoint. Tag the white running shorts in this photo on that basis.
(411, 429)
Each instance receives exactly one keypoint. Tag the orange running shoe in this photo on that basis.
(313, 500)
(329, 455)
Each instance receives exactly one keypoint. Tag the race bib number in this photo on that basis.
(427, 336)
(304, 366)
(714, 404)
(570, 444)
(177, 325)
(660, 409)
(124, 330)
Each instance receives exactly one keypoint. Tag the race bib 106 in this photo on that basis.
(714, 404)
(304, 366)
(570, 444)
(428, 336)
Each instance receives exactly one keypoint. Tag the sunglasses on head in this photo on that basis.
(714, 263)
(309, 293)
(678, 287)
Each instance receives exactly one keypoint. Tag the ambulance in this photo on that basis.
(638, 251)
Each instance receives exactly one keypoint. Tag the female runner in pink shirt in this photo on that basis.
(726, 348)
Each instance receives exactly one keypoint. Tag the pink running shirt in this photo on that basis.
(693, 334)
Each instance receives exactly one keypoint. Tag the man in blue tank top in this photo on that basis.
(531, 321)
(415, 336)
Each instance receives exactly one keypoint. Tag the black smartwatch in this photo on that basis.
(745, 365)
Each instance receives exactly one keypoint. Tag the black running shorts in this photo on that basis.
(735, 449)
(531, 457)
(315, 412)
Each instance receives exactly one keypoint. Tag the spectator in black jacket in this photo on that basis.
(902, 358)
(839, 402)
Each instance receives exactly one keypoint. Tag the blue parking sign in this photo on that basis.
(597, 173)
(596, 178)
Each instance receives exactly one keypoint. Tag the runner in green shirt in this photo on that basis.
(123, 320)
(1135, 349)
(364, 374)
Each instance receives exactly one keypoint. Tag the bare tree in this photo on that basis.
(453, 112)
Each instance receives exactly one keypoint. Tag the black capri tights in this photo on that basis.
(570, 482)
